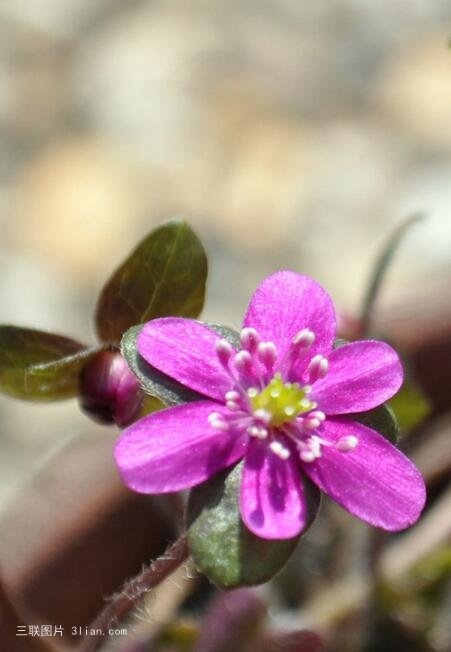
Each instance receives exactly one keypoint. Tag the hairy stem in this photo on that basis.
(123, 603)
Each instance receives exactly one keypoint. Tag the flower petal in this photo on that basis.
(273, 502)
(374, 481)
(286, 303)
(175, 448)
(184, 349)
(361, 376)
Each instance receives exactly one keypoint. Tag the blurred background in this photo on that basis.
(290, 134)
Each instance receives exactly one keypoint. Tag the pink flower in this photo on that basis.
(280, 402)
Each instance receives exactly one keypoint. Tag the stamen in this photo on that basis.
(318, 368)
(224, 352)
(313, 420)
(217, 421)
(311, 423)
(232, 395)
(256, 431)
(243, 362)
(315, 445)
(267, 354)
(347, 443)
(249, 339)
(279, 449)
(317, 414)
(252, 392)
(233, 400)
(262, 415)
(289, 410)
(307, 456)
(304, 338)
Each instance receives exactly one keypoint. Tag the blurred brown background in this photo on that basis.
(289, 133)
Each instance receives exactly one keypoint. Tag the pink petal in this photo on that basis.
(184, 349)
(272, 501)
(175, 448)
(361, 376)
(374, 481)
(286, 303)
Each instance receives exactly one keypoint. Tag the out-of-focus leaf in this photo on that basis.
(382, 419)
(155, 383)
(380, 269)
(164, 275)
(40, 366)
(232, 336)
(410, 406)
(152, 381)
(221, 545)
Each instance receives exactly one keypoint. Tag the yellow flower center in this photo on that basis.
(283, 401)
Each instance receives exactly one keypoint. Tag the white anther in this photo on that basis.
(217, 421)
(232, 399)
(242, 361)
(304, 403)
(252, 392)
(249, 339)
(318, 368)
(256, 431)
(262, 415)
(347, 443)
(289, 410)
(315, 446)
(311, 423)
(307, 456)
(278, 449)
(304, 338)
(274, 393)
(307, 389)
(313, 419)
(267, 353)
(232, 395)
(224, 351)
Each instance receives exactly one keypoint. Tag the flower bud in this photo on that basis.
(109, 392)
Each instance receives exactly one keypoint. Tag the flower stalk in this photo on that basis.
(123, 603)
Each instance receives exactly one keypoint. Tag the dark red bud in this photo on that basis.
(109, 392)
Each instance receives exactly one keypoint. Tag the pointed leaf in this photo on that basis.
(381, 267)
(221, 545)
(165, 275)
(39, 366)
(382, 419)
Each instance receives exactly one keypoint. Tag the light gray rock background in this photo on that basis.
(290, 133)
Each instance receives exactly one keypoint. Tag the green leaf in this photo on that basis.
(165, 275)
(382, 419)
(410, 406)
(157, 384)
(39, 366)
(152, 381)
(380, 269)
(220, 544)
